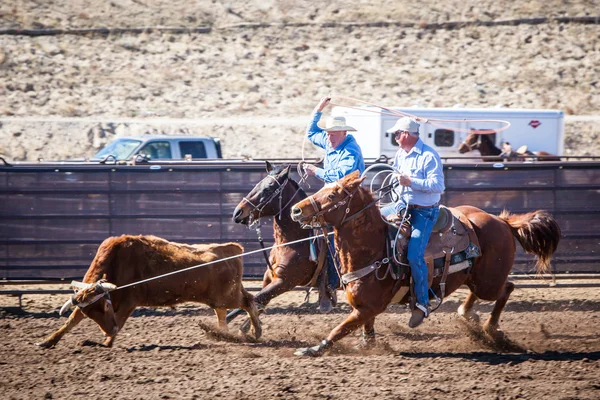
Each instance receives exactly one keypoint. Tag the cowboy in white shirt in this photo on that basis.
(421, 175)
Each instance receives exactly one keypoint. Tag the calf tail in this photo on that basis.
(537, 232)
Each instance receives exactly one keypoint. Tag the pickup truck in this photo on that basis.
(161, 147)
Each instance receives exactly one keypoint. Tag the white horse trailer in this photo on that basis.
(539, 130)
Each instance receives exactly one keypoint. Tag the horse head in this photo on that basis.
(331, 205)
(471, 142)
(266, 199)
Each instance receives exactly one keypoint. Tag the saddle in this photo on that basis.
(452, 244)
(452, 247)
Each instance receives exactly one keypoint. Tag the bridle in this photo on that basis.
(474, 146)
(260, 206)
(317, 220)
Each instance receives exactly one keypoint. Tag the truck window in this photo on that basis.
(157, 150)
(196, 149)
(443, 138)
(121, 149)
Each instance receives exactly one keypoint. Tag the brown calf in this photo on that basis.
(128, 259)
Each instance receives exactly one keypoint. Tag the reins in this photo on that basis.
(263, 204)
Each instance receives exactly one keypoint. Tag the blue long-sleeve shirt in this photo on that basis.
(424, 167)
(338, 162)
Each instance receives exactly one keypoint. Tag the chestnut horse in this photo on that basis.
(360, 239)
(290, 266)
(486, 147)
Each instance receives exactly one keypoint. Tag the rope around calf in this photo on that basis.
(216, 261)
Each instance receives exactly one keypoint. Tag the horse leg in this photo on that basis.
(74, 319)
(221, 318)
(466, 308)
(262, 298)
(491, 325)
(249, 305)
(354, 320)
(368, 335)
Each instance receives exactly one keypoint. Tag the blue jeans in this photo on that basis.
(422, 221)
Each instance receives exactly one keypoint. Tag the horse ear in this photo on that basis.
(269, 166)
(286, 170)
(353, 179)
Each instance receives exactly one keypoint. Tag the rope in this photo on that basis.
(433, 121)
(216, 261)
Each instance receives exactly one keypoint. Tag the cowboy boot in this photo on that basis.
(419, 313)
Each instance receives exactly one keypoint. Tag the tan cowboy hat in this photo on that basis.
(522, 149)
(336, 124)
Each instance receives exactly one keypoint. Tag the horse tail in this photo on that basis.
(537, 232)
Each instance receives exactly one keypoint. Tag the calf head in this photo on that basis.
(94, 302)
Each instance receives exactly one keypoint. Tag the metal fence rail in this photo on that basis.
(54, 216)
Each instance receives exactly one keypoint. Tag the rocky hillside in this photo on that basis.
(66, 95)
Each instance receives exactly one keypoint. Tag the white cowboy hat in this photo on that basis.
(336, 124)
(405, 124)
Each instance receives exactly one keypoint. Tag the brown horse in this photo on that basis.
(486, 147)
(360, 239)
(290, 265)
(483, 143)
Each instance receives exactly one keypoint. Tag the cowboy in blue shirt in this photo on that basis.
(421, 177)
(342, 156)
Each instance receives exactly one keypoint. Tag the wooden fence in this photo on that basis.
(54, 216)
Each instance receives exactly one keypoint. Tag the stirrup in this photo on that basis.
(423, 308)
(438, 301)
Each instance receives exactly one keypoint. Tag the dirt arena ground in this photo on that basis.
(163, 353)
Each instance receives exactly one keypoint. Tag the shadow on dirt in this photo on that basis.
(510, 359)
(156, 347)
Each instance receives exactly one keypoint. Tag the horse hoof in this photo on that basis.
(308, 352)
(45, 345)
(315, 351)
(468, 316)
(363, 346)
(493, 332)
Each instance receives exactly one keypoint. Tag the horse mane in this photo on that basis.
(278, 169)
(368, 198)
(495, 151)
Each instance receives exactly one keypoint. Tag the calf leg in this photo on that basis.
(491, 325)
(466, 308)
(248, 305)
(262, 298)
(121, 316)
(75, 318)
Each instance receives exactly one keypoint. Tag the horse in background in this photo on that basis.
(361, 242)
(290, 265)
(486, 147)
